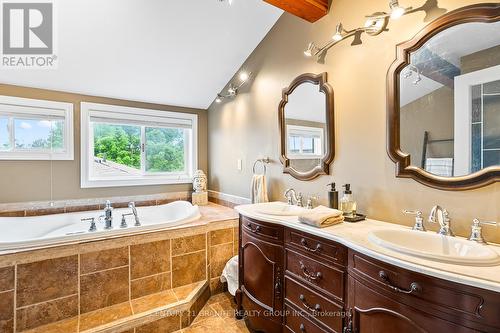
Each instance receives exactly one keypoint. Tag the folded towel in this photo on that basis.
(321, 217)
(439, 166)
(259, 189)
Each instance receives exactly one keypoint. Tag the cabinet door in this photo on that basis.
(262, 281)
(371, 312)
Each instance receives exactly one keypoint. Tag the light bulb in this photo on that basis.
(218, 99)
(396, 10)
(243, 76)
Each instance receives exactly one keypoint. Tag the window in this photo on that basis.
(32, 129)
(304, 142)
(123, 146)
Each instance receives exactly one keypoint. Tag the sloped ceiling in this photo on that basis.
(175, 52)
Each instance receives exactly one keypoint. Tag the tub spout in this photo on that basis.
(131, 205)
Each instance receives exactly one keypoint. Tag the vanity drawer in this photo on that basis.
(317, 306)
(297, 322)
(326, 277)
(451, 301)
(322, 248)
(266, 231)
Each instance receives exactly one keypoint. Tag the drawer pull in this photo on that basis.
(252, 229)
(414, 287)
(317, 307)
(310, 275)
(307, 248)
(302, 327)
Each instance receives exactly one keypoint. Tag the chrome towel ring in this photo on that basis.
(263, 161)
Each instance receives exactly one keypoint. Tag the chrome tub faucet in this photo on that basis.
(108, 216)
(131, 205)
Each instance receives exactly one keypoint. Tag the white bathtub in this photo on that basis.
(30, 232)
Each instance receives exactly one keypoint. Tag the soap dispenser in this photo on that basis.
(347, 203)
(333, 197)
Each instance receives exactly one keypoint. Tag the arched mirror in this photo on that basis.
(444, 101)
(306, 127)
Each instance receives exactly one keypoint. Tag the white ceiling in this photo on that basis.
(175, 52)
(464, 39)
(306, 103)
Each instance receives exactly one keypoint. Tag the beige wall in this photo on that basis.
(22, 181)
(247, 128)
(433, 113)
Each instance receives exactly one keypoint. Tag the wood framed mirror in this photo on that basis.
(306, 121)
(443, 102)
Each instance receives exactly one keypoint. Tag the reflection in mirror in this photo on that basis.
(305, 121)
(450, 101)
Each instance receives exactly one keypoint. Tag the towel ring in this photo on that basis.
(263, 161)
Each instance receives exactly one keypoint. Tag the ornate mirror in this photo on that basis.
(307, 127)
(444, 101)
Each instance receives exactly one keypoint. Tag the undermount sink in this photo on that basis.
(279, 209)
(435, 247)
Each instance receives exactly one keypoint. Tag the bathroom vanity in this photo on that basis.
(296, 278)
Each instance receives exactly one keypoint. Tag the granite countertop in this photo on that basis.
(355, 236)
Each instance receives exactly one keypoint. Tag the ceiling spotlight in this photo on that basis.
(396, 10)
(338, 33)
(218, 99)
(244, 76)
(230, 2)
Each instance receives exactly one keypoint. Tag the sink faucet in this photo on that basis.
(108, 215)
(292, 196)
(440, 215)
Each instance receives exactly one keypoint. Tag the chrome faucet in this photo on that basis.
(131, 205)
(476, 234)
(440, 215)
(291, 196)
(419, 221)
(108, 216)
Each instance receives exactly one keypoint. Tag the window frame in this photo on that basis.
(301, 132)
(37, 109)
(144, 118)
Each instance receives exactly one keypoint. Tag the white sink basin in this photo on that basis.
(435, 247)
(278, 208)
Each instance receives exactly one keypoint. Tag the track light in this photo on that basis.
(338, 33)
(396, 10)
(375, 24)
(243, 76)
(311, 50)
(232, 90)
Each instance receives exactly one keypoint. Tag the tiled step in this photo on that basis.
(173, 308)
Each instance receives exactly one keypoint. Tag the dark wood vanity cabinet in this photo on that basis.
(291, 281)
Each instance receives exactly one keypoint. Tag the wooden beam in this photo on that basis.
(309, 10)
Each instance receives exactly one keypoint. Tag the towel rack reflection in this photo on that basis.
(262, 161)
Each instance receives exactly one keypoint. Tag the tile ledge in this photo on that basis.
(132, 321)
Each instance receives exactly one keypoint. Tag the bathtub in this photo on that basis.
(48, 230)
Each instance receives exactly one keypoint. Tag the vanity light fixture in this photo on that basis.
(374, 25)
(409, 73)
(232, 90)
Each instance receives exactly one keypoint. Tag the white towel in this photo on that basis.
(321, 217)
(259, 189)
(439, 166)
(230, 275)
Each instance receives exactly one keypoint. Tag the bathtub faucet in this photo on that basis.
(131, 205)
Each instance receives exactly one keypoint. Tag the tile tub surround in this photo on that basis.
(108, 280)
(39, 208)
